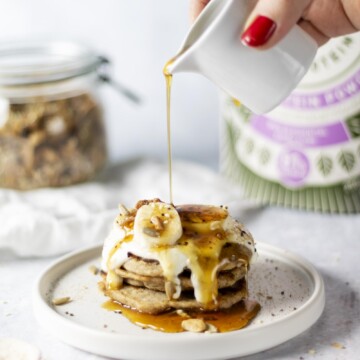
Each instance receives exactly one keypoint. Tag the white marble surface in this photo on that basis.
(331, 243)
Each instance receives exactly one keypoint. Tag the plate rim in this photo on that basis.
(42, 309)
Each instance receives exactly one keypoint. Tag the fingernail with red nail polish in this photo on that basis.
(259, 32)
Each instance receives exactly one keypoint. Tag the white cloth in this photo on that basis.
(48, 222)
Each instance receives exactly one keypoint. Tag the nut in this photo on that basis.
(158, 224)
(211, 329)
(182, 313)
(141, 203)
(61, 301)
(102, 286)
(126, 221)
(123, 210)
(151, 232)
(194, 325)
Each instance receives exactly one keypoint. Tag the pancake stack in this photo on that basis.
(159, 257)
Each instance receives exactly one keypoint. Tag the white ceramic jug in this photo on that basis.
(260, 79)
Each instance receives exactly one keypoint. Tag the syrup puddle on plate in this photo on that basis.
(235, 318)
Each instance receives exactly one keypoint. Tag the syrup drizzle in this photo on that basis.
(168, 80)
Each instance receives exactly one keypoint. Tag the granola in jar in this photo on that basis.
(51, 124)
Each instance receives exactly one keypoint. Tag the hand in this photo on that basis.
(271, 20)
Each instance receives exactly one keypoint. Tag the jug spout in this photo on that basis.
(184, 61)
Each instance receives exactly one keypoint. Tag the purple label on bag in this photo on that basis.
(346, 90)
(293, 167)
(302, 136)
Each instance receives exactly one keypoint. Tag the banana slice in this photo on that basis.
(15, 349)
(157, 224)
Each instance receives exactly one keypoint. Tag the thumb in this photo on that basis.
(270, 21)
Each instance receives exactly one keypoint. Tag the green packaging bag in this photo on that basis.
(306, 153)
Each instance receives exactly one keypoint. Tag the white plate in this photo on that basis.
(289, 289)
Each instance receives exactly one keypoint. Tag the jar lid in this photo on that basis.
(34, 62)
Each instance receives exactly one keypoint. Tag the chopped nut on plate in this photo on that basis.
(94, 270)
(194, 325)
(337, 345)
(182, 313)
(211, 328)
(61, 301)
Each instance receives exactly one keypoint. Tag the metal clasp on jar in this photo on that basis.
(103, 73)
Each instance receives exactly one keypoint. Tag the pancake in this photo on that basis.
(224, 279)
(160, 257)
(156, 302)
(233, 254)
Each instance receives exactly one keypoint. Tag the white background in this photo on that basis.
(139, 36)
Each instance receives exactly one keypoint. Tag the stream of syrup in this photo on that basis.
(168, 81)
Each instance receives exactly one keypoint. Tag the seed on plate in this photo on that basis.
(61, 301)
(93, 269)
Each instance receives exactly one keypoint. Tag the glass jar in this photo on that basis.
(51, 124)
